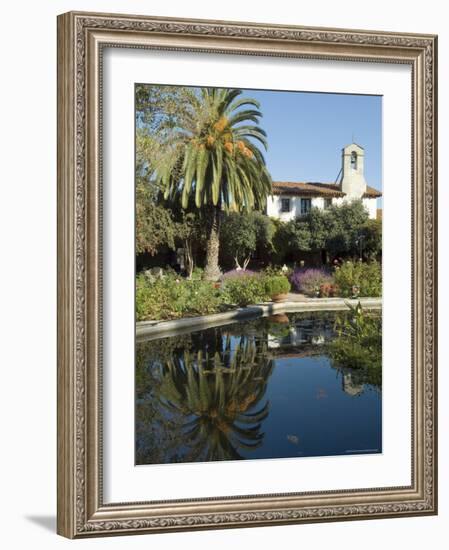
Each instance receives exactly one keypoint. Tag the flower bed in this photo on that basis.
(358, 279)
(352, 279)
(242, 288)
(173, 297)
(308, 281)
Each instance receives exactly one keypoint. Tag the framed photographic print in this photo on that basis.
(246, 274)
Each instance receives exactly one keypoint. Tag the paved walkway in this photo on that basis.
(295, 297)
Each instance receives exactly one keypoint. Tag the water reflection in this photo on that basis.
(212, 395)
(219, 394)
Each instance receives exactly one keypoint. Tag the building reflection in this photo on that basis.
(298, 333)
(350, 386)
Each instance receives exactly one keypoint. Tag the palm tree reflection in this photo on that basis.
(218, 392)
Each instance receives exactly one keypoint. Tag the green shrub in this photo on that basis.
(244, 290)
(162, 299)
(173, 297)
(276, 284)
(356, 279)
(197, 273)
(204, 298)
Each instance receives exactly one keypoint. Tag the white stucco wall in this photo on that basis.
(274, 206)
(338, 201)
(371, 206)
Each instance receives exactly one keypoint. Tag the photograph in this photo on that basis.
(258, 274)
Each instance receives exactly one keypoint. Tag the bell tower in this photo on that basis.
(353, 179)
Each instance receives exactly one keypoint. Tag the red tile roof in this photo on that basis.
(316, 189)
(372, 193)
(306, 188)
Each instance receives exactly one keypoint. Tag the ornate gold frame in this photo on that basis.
(81, 37)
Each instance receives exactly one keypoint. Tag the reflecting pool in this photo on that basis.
(289, 385)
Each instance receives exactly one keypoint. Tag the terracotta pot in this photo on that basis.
(280, 318)
(279, 297)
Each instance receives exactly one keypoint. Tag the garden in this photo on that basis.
(247, 383)
(203, 241)
(171, 296)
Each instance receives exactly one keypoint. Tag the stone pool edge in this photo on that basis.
(153, 328)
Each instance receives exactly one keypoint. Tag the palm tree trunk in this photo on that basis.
(212, 270)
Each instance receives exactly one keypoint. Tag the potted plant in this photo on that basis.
(328, 290)
(277, 287)
(279, 319)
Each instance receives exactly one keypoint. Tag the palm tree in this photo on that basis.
(211, 158)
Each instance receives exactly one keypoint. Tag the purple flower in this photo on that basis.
(307, 280)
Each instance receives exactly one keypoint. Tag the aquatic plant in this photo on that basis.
(358, 344)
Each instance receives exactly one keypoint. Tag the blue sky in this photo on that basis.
(306, 132)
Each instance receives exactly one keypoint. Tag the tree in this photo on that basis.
(189, 229)
(243, 233)
(265, 230)
(154, 223)
(343, 225)
(211, 155)
(370, 234)
(338, 230)
(157, 110)
(320, 224)
(238, 238)
(293, 236)
(159, 107)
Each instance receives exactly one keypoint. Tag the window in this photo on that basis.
(354, 160)
(327, 203)
(306, 205)
(285, 205)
